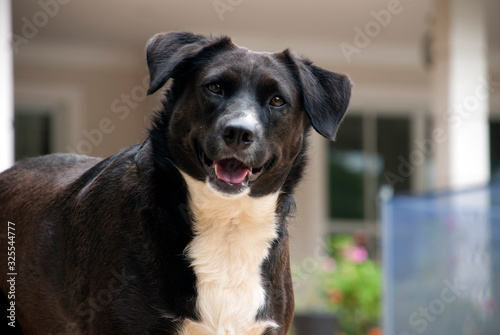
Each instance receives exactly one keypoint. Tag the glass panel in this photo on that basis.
(442, 263)
(346, 170)
(32, 134)
(393, 148)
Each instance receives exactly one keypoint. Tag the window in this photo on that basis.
(346, 171)
(393, 149)
(367, 146)
(495, 150)
(32, 134)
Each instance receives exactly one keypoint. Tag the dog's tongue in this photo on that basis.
(231, 171)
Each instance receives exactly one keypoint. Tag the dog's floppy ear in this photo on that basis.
(325, 94)
(169, 54)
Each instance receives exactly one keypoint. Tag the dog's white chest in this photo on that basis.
(232, 239)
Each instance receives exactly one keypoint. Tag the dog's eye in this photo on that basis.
(277, 101)
(215, 88)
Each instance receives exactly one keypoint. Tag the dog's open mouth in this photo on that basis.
(230, 173)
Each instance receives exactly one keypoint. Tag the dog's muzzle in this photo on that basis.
(229, 165)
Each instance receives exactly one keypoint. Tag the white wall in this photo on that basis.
(99, 99)
(6, 89)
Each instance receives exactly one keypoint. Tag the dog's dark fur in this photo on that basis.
(101, 244)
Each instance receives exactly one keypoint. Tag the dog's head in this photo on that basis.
(235, 118)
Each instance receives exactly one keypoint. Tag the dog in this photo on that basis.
(186, 233)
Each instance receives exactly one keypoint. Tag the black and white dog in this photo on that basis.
(185, 233)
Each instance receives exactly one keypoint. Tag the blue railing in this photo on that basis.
(442, 263)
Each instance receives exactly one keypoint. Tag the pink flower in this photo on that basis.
(356, 254)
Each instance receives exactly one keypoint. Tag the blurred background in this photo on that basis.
(424, 114)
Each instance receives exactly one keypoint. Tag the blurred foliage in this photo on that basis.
(345, 282)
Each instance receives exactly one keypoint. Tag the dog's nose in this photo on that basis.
(238, 136)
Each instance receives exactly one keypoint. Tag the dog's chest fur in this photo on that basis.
(232, 239)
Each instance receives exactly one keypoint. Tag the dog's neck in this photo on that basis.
(232, 239)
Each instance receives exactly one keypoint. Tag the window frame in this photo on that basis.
(64, 105)
(420, 180)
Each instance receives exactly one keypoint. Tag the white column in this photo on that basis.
(6, 88)
(461, 107)
(460, 94)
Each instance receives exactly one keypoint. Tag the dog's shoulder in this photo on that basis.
(41, 177)
(49, 166)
